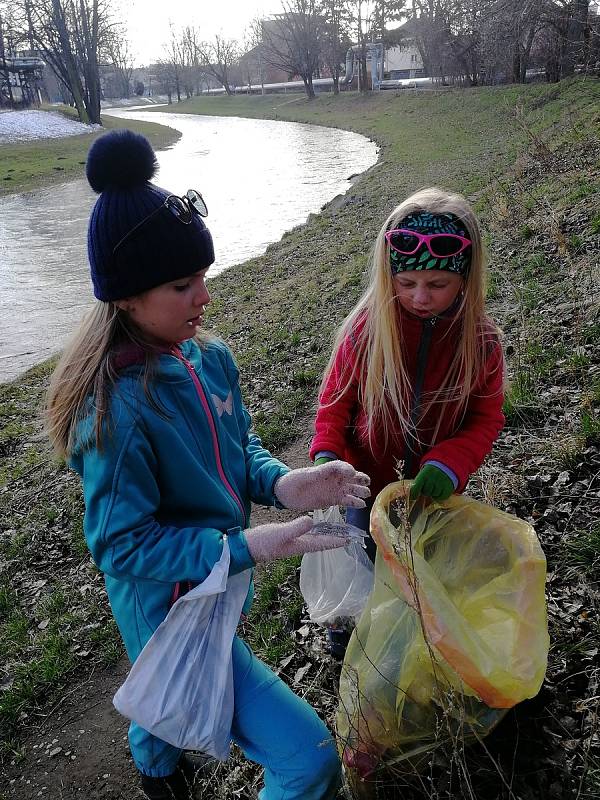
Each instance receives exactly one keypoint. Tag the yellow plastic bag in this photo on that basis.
(454, 634)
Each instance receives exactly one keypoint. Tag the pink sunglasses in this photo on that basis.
(440, 245)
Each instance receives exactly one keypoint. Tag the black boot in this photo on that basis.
(180, 784)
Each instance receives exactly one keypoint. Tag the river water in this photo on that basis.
(259, 178)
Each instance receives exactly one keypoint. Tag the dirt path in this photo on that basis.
(78, 748)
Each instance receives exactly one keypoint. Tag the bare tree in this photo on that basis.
(430, 26)
(526, 20)
(292, 41)
(86, 30)
(166, 78)
(193, 73)
(6, 93)
(385, 11)
(68, 34)
(252, 62)
(117, 53)
(463, 36)
(219, 57)
(362, 24)
(173, 64)
(561, 43)
(574, 40)
(335, 35)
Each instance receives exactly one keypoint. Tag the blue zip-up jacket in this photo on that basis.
(167, 485)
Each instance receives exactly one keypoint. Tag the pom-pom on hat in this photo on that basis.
(119, 167)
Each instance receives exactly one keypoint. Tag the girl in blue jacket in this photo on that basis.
(147, 409)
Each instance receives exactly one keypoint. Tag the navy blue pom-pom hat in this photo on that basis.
(135, 242)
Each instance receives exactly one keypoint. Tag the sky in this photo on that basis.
(148, 20)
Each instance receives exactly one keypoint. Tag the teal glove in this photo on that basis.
(431, 482)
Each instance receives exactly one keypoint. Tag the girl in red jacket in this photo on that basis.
(415, 382)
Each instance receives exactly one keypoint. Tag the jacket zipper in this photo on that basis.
(213, 430)
(422, 354)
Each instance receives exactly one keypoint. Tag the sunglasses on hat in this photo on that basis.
(440, 245)
(182, 208)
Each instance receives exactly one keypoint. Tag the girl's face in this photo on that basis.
(427, 293)
(170, 313)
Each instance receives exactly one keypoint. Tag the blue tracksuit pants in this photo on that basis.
(273, 727)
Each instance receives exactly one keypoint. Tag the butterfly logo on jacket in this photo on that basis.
(223, 405)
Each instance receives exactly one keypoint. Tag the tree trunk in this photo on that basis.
(3, 69)
(574, 39)
(308, 85)
(526, 53)
(75, 85)
(92, 77)
(364, 79)
(516, 59)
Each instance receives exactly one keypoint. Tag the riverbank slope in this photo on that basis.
(528, 157)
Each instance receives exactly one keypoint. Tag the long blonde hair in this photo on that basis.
(86, 373)
(384, 383)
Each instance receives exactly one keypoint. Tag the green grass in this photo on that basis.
(535, 265)
(520, 399)
(584, 550)
(526, 231)
(38, 651)
(274, 616)
(29, 165)
(584, 188)
(590, 426)
(569, 453)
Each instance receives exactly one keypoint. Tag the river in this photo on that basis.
(259, 178)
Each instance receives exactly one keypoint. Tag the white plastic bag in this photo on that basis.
(180, 687)
(336, 584)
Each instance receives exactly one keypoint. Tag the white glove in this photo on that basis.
(283, 539)
(336, 483)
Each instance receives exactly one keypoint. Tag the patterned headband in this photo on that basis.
(424, 222)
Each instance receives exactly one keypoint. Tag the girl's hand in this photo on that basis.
(280, 540)
(431, 482)
(336, 483)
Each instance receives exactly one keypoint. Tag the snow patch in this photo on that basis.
(24, 126)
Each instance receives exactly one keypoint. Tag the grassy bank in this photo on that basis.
(528, 157)
(464, 140)
(30, 165)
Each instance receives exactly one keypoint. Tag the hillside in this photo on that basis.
(529, 159)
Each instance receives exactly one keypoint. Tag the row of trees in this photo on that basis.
(307, 39)
(475, 41)
(487, 40)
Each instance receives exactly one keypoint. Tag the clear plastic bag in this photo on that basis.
(336, 584)
(454, 634)
(180, 687)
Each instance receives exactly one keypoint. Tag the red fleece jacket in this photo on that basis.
(340, 426)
